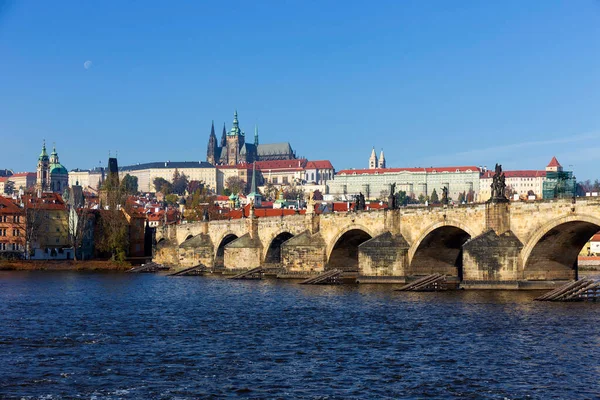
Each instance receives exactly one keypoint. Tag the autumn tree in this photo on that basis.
(270, 190)
(195, 185)
(293, 192)
(113, 229)
(32, 222)
(235, 184)
(79, 226)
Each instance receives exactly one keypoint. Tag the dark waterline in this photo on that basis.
(91, 335)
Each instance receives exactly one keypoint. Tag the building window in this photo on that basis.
(312, 176)
(275, 180)
(285, 179)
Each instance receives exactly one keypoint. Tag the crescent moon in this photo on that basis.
(87, 64)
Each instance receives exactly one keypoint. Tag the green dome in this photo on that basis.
(58, 169)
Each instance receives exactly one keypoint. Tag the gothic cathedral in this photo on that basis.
(233, 148)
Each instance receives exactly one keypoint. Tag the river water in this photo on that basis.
(129, 336)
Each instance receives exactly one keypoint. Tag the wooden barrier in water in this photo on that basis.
(584, 289)
(149, 267)
(429, 283)
(199, 269)
(328, 277)
(254, 273)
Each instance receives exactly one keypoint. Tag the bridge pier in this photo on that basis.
(383, 258)
(243, 253)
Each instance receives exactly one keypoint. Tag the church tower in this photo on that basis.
(211, 152)
(381, 160)
(373, 159)
(256, 135)
(43, 171)
(235, 141)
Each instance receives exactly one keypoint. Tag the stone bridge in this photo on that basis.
(517, 244)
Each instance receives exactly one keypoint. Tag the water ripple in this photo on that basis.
(121, 336)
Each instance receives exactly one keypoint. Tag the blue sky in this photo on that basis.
(432, 83)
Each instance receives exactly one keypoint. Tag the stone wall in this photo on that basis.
(492, 257)
(304, 253)
(384, 255)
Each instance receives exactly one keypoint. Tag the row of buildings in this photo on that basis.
(277, 165)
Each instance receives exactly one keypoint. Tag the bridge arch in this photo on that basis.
(272, 253)
(188, 237)
(343, 249)
(227, 238)
(551, 253)
(439, 249)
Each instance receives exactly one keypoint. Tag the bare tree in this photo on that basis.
(32, 221)
(79, 218)
(235, 184)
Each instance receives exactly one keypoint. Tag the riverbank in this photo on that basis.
(63, 265)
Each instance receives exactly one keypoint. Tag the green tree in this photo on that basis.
(162, 185)
(180, 182)
(434, 197)
(171, 198)
(113, 234)
(129, 184)
(401, 198)
(422, 199)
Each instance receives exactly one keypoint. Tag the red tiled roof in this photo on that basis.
(516, 174)
(27, 174)
(554, 163)
(319, 164)
(48, 201)
(430, 170)
(7, 205)
(299, 163)
(3, 178)
(261, 212)
(596, 237)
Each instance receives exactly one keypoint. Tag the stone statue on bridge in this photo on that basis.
(392, 201)
(445, 195)
(359, 202)
(498, 185)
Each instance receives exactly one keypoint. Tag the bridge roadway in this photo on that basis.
(516, 244)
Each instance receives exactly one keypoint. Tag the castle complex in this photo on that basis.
(233, 148)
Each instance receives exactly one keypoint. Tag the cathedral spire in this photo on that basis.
(224, 137)
(254, 195)
(381, 160)
(256, 135)
(373, 159)
(212, 129)
(235, 129)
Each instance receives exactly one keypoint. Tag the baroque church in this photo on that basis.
(233, 149)
(51, 175)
